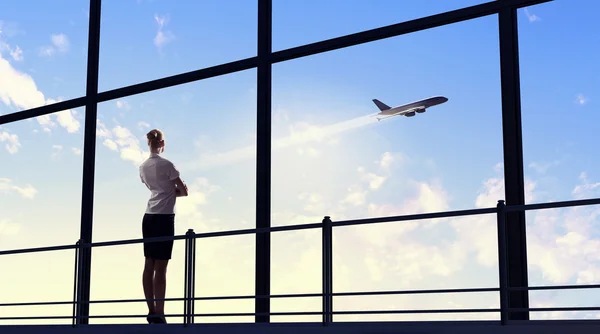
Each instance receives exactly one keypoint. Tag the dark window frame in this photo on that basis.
(506, 10)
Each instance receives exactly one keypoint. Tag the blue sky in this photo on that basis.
(330, 156)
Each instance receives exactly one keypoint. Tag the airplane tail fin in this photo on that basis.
(382, 106)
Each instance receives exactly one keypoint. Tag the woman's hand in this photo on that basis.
(179, 192)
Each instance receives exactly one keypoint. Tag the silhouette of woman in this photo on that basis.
(162, 178)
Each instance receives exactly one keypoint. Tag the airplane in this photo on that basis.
(409, 109)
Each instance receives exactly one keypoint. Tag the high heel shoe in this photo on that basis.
(152, 318)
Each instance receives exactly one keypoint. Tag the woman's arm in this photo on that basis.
(181, 189)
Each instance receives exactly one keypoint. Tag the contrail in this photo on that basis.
(311, 135)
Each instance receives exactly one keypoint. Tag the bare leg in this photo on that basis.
(160, 284)
(147, 282)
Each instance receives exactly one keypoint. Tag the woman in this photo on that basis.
(162, 178)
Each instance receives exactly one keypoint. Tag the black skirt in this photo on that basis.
(158, 225)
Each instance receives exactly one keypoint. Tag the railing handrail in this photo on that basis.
(552, 205)
(388, 219)
(290, 295)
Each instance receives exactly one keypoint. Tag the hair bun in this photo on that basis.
(151, 135)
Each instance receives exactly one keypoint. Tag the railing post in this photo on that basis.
(192, 274)
(76, 285)
(502, 265)
(80, 254)
(327, 270)
(185, 282)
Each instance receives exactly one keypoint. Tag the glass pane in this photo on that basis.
(225, 267)
(331, 155)
(299, 22)
(154, 39)
(559, 89)
(296, 268)
(40, 201)
(43, 58)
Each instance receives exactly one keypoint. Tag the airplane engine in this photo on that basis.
(421, 110)
(410, 114)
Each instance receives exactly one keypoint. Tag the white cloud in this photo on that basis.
(15, 52)
(26, 192)
(57, 150)
(386, 160)
(542, 167)
(129, 145)
(76, 151)
(561, 247)
(581, 99)
(46, 122)
(162, 37)
(123, 140)
(12, 142)
(123, 105)
(531, 17)
(385, 164)
(67, 120)
(7, 186)
(60, 44)
(18, 89)
(309, 152)
(586, 189)
(199, 190)
(355, 196)
(375, 181)
(111, 144)
(101, 130)
(313, 202)
(8, 228)
(143, 125)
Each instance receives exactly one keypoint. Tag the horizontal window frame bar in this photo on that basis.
(43, 110)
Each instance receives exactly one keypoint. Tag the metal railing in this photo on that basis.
(327, 294)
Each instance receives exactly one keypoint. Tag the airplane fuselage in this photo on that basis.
(408, 110)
